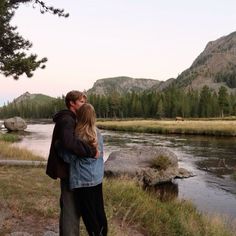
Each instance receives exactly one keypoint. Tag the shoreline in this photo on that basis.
(149, 215)
(183, 209)
(223, 128)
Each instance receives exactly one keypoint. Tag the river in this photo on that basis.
(211, 159)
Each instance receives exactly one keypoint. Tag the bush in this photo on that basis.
(160, 162)
(9, 137)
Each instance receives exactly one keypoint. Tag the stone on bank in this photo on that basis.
(137, 163)
(15, 124)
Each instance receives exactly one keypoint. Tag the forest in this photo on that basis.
(166, 104)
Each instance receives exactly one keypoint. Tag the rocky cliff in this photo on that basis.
(122, 85)
(35, 98)
(214, 67)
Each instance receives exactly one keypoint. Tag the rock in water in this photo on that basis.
(15, 124)
(149, 165)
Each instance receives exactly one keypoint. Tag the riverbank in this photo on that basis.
(9, 152)
(192, 127)
(29, 203)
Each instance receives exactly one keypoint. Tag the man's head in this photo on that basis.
(74, 100)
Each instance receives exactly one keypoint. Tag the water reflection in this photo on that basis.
(211, 159)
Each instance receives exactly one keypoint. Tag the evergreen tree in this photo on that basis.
(160, 109)
(223, 100)
(115, 105)
(14, 58)
(204, 103)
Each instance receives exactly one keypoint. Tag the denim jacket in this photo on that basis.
(84, 172)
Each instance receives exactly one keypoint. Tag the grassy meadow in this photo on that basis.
(30, 201)
(200, 127)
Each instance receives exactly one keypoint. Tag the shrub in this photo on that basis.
(9, 137)
(160, 162)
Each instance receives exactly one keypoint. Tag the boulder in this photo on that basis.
(50, 233)
(15, 124)
(19, 234)
(136, 162)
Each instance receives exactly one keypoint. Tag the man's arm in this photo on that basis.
(71, 143)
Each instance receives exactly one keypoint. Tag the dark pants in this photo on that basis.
(69, 223)
(90, 202)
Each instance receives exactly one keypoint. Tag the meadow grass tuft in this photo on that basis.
(9, 152)
(174, 218)
(160, 162)
(8, 137)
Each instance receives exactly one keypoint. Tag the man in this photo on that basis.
(65, 122)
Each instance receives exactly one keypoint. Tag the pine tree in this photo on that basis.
(14, 58)
(223, 100)
(204, 103)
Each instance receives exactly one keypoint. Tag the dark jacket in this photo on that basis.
(65, 122)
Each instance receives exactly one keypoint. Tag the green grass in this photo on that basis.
(174, 218)
(8, 137)
(27, 193)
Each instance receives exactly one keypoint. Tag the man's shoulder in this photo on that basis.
(64, 115)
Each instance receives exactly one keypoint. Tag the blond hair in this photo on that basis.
(86, 128)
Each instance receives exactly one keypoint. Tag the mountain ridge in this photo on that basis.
(215, 66)
(38, 98)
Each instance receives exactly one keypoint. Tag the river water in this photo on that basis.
(211, 159)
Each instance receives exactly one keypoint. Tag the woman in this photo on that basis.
(86, 174)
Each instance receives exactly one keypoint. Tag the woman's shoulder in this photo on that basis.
(98, 132)
(99, 136)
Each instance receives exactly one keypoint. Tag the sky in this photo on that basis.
(154, 39)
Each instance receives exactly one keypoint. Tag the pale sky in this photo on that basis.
(155, 39)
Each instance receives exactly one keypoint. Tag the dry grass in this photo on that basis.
(204, 127)
(160, 162)
(9, 152)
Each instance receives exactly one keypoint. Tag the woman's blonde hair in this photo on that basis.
(86, 128)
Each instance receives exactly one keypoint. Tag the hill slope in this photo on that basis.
(214, 67)
(37, 99)
(122, 85)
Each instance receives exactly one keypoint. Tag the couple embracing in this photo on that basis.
(76, 157)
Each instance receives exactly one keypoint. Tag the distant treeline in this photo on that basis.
(31, 109)
(167, 104)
